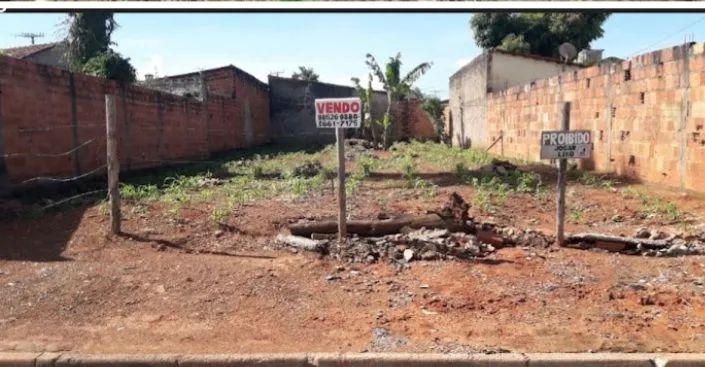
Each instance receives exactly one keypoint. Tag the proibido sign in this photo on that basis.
(566, 144)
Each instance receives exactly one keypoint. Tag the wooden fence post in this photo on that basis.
(113, 164)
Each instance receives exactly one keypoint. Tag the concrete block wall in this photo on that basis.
(46, 110)
(647, 115)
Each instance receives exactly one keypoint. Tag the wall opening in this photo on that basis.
(587, 83)
(642, 97)
(627, 75)
(614, 112)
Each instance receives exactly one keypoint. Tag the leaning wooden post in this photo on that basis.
(342, 216)
(113, 164)
(562, 166)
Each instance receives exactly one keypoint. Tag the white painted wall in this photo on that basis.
(510, 70)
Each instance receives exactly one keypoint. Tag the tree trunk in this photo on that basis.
(378, 227)
(388, 115)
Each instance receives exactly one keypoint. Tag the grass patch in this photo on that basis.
(594, 180)
(440, 155)
(653, 206)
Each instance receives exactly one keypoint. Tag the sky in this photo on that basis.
(334, 44)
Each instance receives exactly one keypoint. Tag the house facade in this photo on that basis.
(52, 54)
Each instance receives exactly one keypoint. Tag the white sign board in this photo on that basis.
(338, 112)
(566, 144)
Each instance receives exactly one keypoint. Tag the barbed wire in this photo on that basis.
(53, 179)
(68, 152)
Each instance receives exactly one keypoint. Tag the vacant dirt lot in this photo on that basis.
(198, 270)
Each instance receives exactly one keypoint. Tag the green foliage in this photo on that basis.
(110, 65)
(367, 164)
(434, 108)
(492, 190)
(543, 32)
(427, 188)
(441, 156)
(396, 86)
(138, 192)
(575, 215)
(654, 206)
(305, 73)
(219, 215)
(409, 171)
(88, 36)
(515, 44)
(591, 179)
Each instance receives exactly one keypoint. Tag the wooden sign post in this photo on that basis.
(339, 113)
(342, 211)
(564, 144)
(113, 164)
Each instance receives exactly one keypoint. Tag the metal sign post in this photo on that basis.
(339, 113)
(563, 145)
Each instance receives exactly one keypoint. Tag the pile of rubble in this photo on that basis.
(421, 244)
(645, 242)
(448, 233)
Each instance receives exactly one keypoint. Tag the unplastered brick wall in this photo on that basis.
(646, 114)
(46, 111)
(411, 121)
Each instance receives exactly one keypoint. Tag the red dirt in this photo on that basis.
(64, 285)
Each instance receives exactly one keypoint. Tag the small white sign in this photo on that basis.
(338, 112)
(566, 144)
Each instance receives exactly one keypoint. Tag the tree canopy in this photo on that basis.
(305, 73)
(537, 33)
(88, 42)
(88, 35)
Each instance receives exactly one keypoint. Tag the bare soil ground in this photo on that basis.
(179, 283)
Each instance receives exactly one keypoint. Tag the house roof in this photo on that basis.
(245, 74)
(26, 51)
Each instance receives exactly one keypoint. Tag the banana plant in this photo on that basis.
(396, 86)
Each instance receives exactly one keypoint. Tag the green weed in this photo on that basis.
(594, 180)
(138, 192)
(575, 215)
(654, 206)
(219, 215)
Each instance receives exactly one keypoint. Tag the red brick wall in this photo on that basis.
(37, 120)
(649, 127)
(411, 121)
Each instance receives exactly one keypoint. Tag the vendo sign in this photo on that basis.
(338, 113)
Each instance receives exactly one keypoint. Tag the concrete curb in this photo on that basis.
(353, 360)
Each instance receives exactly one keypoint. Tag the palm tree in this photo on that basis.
(397, 88)
(305, 73)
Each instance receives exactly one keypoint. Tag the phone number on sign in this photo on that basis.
(339, 120)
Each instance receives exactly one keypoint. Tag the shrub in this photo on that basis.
(110, 65)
